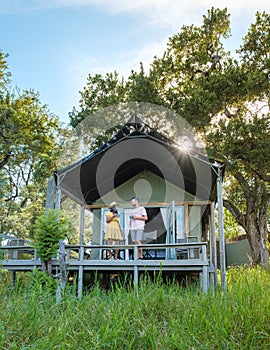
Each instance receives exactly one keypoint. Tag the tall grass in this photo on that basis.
(155, 316)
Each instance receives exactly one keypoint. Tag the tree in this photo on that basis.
(30, 139)
(141, 87)
(100, 92)
(4, 73)
(244, 145)
(103, 92)
(225, 99)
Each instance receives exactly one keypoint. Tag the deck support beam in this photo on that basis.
(204, 271)
(58, 199)
(81, 225)
(13, 278)
(80, 275)
(81, 253)
(135, 273)
(213, 243)
(221, 229)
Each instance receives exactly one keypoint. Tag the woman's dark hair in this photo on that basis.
(113, 210)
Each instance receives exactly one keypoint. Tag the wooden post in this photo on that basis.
(81, 225)
(13, 278)
(186, 220)
(221, 229)
(62, 278)
(205, 270)
(81, 253)
(58, 199)
(135, 277)
(213, 240)
(35, 255)
(80, 277)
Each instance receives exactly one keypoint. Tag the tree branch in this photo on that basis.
(4, 161)
(263, 177)
(23, 203)
(237, 214)
(242, 182)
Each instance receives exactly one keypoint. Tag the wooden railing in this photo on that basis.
(78, 259)
(18, 252)
(83, 252)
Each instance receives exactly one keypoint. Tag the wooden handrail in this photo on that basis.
(131, 246)
(152, 204)
(18, 247)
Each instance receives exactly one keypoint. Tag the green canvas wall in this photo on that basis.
(149, 187)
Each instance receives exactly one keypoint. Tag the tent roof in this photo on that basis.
(134, 148)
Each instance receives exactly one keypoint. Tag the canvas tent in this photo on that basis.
(134, 148)
(137, 149)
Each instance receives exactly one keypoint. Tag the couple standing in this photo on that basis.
(137, 222)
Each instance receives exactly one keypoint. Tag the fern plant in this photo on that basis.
(49, 229)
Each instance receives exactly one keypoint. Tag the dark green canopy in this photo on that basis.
(134, 148)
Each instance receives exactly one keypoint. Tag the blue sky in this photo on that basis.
(54, 44)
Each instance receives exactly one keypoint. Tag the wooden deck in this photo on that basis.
(79, 260)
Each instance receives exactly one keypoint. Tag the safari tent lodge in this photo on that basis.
(180, 191)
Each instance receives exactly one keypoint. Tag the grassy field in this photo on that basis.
(156, 316)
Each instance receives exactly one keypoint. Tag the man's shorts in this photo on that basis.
(136, 235)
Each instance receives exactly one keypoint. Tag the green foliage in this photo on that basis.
(231, 227)
(192, 63)
(224, 97)
(4, 73)
(38, 282)
(72, 211)
(49, 229)
(142, 87)
(100, 92)
(1, 251)
(156, 316)
(255, 54)
(105, 91)
(30, 142)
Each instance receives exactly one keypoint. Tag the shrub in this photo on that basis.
(49, 229)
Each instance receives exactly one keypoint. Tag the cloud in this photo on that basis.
(170, 14)
(158, 6)
(166, 13)
(80, 63)
(161, 17)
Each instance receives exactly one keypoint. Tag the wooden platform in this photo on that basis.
(78, 261)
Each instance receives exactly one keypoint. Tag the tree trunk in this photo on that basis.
(254, 221)
(43, 266)
(47, 266)
(257, 235)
